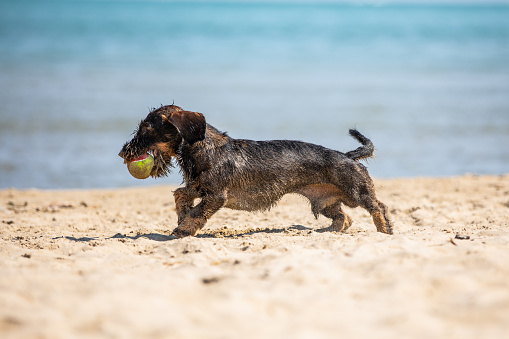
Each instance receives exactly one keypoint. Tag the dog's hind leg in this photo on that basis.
(385, 215)
(379, 215)
(326, 200)
(340, 221)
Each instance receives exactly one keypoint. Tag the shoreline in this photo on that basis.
(102, 263)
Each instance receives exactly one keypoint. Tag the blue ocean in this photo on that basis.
(427, 83)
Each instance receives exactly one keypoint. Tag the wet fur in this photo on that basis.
(253, 175)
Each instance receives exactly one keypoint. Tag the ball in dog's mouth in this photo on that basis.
(141, 167)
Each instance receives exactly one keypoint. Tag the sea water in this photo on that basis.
(427, 83)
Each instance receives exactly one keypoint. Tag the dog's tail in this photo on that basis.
(365, 151)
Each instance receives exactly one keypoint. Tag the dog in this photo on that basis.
(252, 175)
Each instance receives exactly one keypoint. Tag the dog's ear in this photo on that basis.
(191, 125)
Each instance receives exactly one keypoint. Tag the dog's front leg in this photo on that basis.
(192, 222)
(184, 201)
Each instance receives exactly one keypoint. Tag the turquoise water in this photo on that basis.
(429, 84)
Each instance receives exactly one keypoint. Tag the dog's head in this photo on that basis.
(161, 133)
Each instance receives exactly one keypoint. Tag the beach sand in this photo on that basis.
(102, 263)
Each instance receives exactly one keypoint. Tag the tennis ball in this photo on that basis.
(141, 167)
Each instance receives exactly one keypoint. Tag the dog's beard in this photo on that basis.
(162, 164)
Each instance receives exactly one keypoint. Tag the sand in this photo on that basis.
(102, 263)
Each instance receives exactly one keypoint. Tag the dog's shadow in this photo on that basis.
(232, 233)
(208, 233)
(150, 236)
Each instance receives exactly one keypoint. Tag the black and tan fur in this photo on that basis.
(252, 175)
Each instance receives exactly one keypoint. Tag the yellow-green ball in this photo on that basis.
(140, 168)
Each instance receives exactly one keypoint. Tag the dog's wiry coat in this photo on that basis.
(252, 175)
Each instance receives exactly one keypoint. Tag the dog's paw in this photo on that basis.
(338, 225)
(188, 227)
(181, 232)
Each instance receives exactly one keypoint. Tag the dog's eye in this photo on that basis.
(146, 127)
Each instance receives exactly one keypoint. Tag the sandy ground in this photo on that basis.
(101, 263)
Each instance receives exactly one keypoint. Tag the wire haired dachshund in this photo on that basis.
(252, 175)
